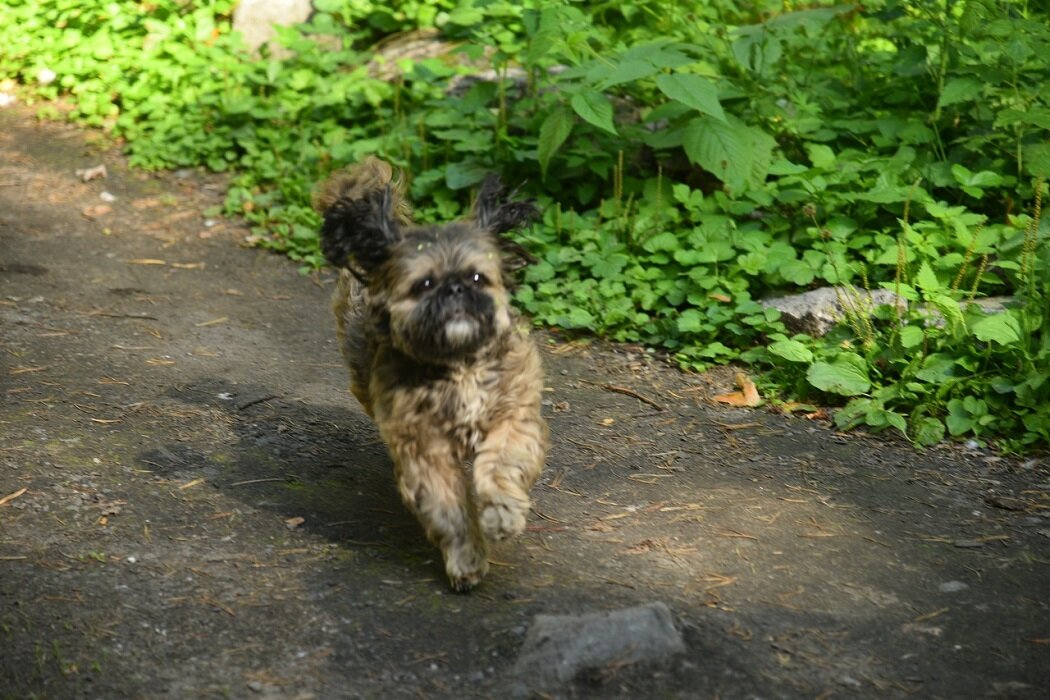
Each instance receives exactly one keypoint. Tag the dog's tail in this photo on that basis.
(361, 205)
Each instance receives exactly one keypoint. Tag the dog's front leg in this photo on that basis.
(434, 486)
(506, 465)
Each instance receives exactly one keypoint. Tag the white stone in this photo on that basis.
(255, 20)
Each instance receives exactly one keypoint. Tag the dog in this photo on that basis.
(437, 356)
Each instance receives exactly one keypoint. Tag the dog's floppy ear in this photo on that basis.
(498, 212)
(364, 209)
(360, 230)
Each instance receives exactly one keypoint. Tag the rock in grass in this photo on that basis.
(815, 312)
(557, 648)
(256, 19)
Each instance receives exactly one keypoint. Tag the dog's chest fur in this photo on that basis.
(458, 403)
(468, 404)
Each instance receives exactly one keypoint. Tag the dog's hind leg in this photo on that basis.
(435, 488)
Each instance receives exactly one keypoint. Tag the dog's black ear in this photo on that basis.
(360, 231)
(498, 212)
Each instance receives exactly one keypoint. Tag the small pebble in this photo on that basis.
(952, 587)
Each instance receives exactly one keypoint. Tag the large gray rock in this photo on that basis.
(255, 20)
(559, 647)
(815, 312)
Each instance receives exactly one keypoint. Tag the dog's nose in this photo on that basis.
(453, 288)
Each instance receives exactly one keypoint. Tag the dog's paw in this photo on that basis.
(464, 584)
(502, 519)
(466, 565)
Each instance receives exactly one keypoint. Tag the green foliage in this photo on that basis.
(944, 365)
(690, 157)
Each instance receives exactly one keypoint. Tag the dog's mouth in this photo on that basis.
(461, 328)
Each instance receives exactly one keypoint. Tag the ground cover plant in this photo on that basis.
(691, 159)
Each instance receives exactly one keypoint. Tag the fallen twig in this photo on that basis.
(135, 316)
(633, 394)
(261, 399)
(931, 615)
(12, 496)
(262, 481)
(734, 533)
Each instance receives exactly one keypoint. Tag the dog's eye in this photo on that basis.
(423, 285)
(479, 279)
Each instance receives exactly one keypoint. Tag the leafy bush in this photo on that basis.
(691, 158)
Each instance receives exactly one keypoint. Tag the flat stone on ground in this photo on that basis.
(557, 648)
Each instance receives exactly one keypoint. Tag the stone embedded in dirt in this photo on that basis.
(557, 648)
(952, 587)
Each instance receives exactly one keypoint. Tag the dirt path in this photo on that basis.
(193, 506)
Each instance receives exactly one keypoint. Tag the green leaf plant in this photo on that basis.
(690, 158)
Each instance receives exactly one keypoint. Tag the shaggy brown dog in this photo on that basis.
(438, 357)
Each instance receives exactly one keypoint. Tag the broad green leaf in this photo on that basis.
(1035, 116)
(880, 418)
(813, 20)
(911, 336)
(949, 308)
(466, 16)
(791, 350)
(927, 431)
(762, 146)
(797, 272)
(756, 49)
(984, 178)
(694, 91)
(847, 375)
(1037, 159)
(959, 90)
(723, 149)
(936, 368)
(553, 132)
(906, 291)
(540, 45)
(578, 318)
(852, 414)
(786, 167)
(712, 250)
(464, 174)
(627, 71)
(594, 108)
(1018, 50)
(540, 271)
(926, 278)
(959, 420)
(609, 266)
(820, 155)
(1000, 328)
(665, 241)
(716, 349)
(690, 321)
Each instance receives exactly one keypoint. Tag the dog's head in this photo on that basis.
(440, 291)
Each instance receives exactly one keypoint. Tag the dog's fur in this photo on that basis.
(438, 357)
